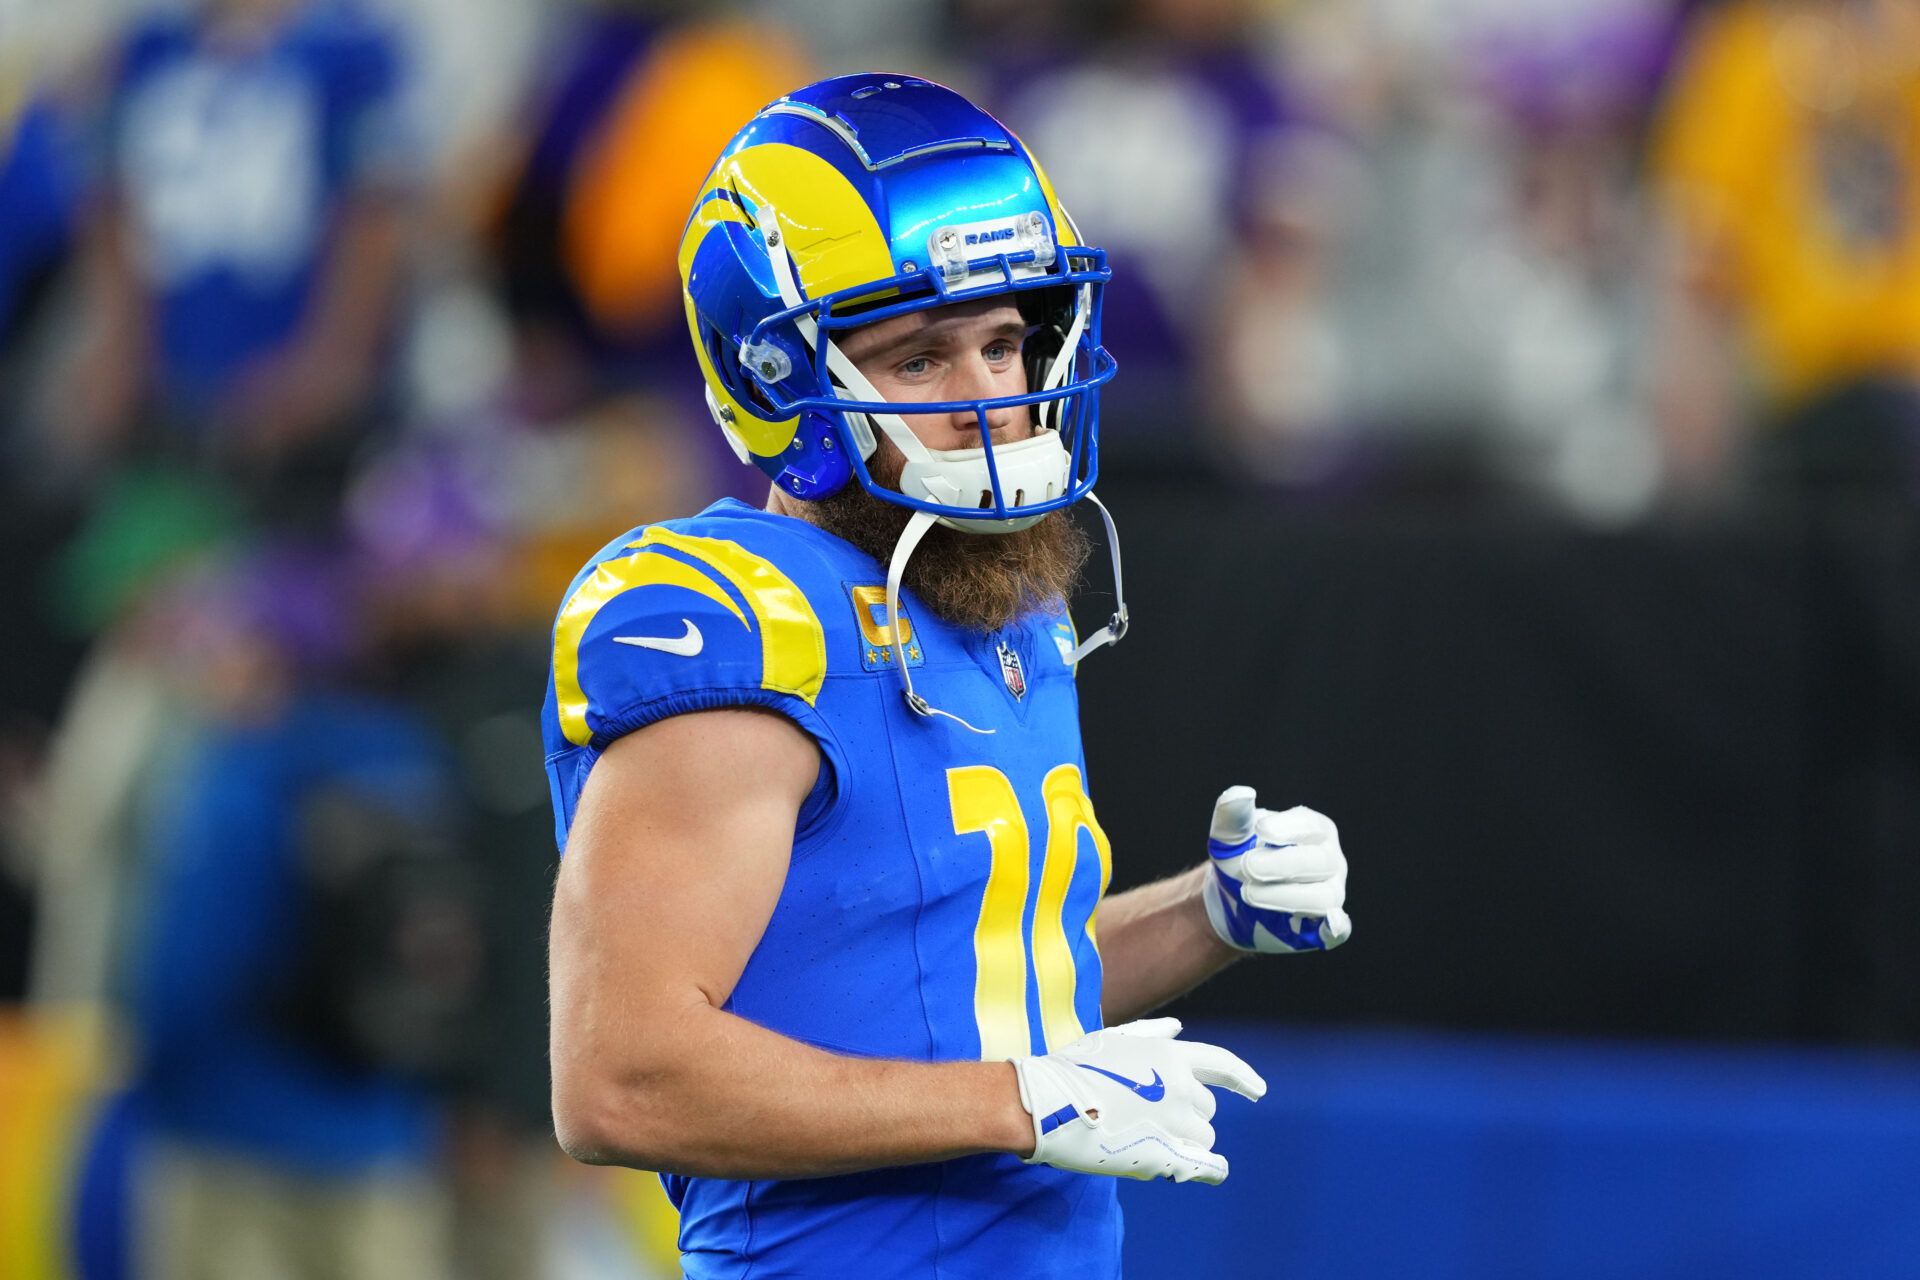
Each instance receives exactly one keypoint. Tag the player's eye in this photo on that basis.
(915, 367)
(1001, 352)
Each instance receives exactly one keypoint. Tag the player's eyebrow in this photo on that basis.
(938, 332)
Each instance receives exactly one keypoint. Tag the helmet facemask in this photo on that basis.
(989, 489)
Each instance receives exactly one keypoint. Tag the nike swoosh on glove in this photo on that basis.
(1132, 1102)
(1279, 881)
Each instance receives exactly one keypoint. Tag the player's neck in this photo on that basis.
(781, 505)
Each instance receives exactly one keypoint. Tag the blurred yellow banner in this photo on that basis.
(50, 1073)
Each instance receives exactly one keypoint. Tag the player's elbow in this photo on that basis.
(580, 1123)
(605, 1121)
(596, 1123)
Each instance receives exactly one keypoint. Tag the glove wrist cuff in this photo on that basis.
(1030, 1098)
(1213, 896)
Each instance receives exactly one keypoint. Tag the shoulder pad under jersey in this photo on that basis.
(671, 619)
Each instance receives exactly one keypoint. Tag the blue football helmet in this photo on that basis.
(865, 197)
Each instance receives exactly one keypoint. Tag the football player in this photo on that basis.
(824, 944)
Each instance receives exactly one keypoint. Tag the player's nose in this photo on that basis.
(1006, 422)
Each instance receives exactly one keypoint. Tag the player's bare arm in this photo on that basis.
(1156, 945)
(677, 857)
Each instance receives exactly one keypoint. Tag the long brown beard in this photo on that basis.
(979, 581)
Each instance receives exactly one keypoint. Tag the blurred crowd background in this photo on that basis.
(1544, 370)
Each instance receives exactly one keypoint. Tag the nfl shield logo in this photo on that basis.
(1012, 672)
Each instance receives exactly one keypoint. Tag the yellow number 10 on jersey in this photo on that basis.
(983, 800)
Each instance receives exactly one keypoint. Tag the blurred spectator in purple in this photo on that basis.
(244, 251)
(642, 96)
(1573, 89)
(637, 92)
(1164, 124)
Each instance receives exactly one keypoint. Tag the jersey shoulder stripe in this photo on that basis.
(674, 608)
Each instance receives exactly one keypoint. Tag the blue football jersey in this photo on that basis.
(940, 900)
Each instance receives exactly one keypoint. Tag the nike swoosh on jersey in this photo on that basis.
(685, 646)
(1151, 1092)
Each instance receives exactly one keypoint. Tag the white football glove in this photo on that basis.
(1131, 1101)
(1279, 880)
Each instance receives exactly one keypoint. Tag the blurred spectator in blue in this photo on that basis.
(41, 163)
(38, 191)
(1165, 124)
(1787, 161)
(244, 252)
(39, 195)
(272, 1153)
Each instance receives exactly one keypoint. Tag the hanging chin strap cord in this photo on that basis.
(1116, 626)
(903, 551)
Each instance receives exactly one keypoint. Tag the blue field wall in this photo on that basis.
(1394, 1154)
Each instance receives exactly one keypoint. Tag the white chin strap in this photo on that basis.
(903, 550)
(1116, 628)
